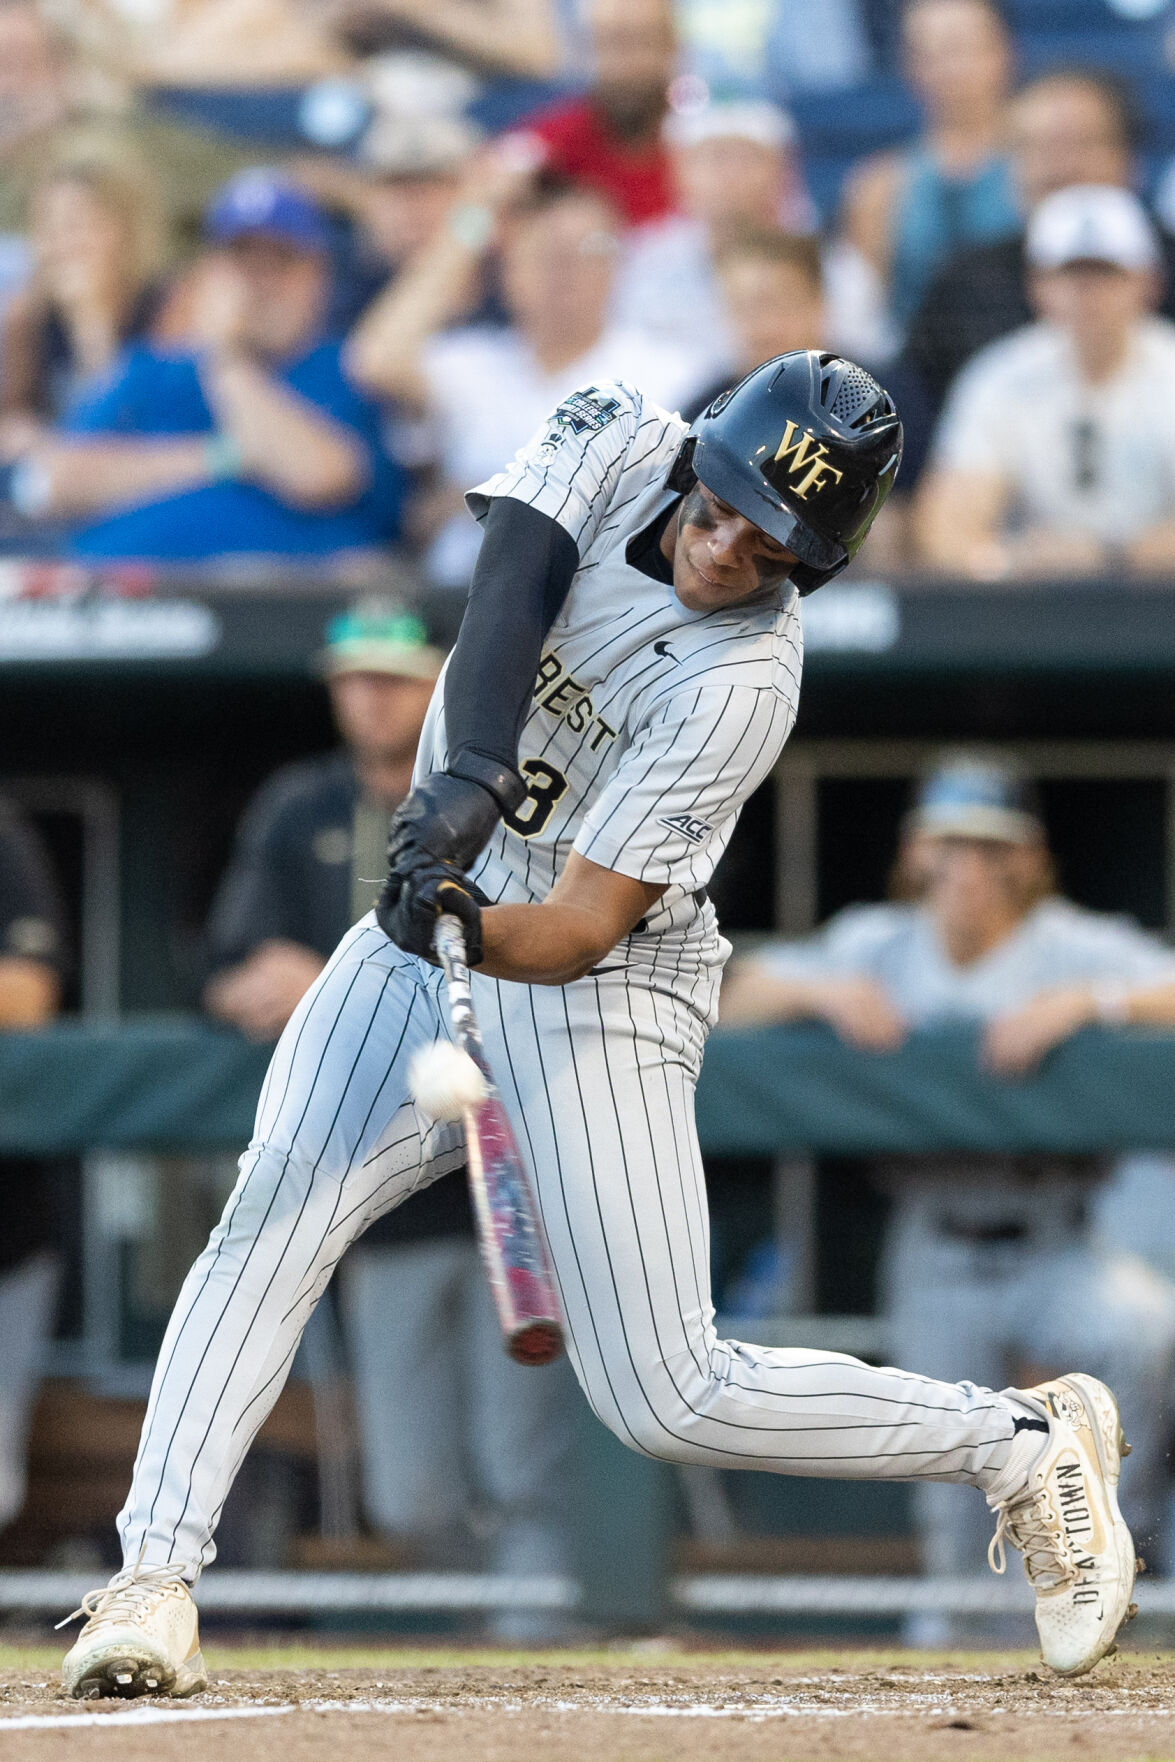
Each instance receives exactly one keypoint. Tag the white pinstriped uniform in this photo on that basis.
(649, 728)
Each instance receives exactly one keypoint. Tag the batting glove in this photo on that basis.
(409, 906)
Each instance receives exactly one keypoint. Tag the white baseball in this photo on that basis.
(445, 1081)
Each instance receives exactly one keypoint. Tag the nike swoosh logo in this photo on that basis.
(663, 648)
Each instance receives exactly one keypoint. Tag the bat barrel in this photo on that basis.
(536, 1342)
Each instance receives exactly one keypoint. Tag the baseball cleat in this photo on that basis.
(141, 1638)
(1077, 1550)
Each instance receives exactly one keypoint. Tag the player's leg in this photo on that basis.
(28, 1300)
(398, 1303)
(1115, 1316)
(336, 1142)
(601, 1076)
(946, 1308)
(521, 1425)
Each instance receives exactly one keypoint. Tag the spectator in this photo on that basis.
(495, 37)
(991, 1265)
(98, 247)
(907, 212)
(230, 43)
(447, 1423)
(1056, 451)
(487, 388)
(47, 112)
(610, 139)
(754, 50)
(771, 286)
(35, 100)
(393, 203)
(734, 165)
(1067, 128)
(31, 964)
(253, 441)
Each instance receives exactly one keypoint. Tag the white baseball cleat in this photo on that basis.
(1078, 1552)
(141, 1638)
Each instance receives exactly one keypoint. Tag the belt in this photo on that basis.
(999, 1232)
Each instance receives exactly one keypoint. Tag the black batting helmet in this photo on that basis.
(806, 447)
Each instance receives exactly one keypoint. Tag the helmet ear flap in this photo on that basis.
(682, 476)
(806, 580)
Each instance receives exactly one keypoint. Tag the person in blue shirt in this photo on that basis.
(252, 439)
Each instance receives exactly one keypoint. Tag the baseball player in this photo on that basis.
(626, 674)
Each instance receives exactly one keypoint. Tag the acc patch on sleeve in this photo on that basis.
(688, 825)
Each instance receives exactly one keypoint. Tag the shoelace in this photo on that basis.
(1021, 1523)
(126, 1590)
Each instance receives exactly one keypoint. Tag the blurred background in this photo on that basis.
(279, 280)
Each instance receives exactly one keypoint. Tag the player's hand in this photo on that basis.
(1014, 1044)
(861, 1013)
(261, 993)
(444, 820)
(409, 906)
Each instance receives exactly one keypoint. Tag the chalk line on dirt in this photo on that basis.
(143, 1716)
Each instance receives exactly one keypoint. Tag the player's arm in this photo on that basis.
(76, 477)
(1016, 1042)
(958, 517)
(587, 912)
(854, 1004)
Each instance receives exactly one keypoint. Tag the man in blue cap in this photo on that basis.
(251, 440)
(992, 1265)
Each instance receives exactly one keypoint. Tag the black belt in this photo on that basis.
(1001, 1231)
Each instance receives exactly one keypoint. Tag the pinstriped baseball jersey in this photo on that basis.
(650, 724)
(649, 727)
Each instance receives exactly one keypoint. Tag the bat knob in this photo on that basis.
(538, 1342)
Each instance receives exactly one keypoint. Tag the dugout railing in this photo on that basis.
(148, 1085)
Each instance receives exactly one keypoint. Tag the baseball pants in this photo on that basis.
(598, 1078)
(1057, 1299)
(454, 1434)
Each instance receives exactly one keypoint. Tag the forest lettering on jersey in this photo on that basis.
(562, 696)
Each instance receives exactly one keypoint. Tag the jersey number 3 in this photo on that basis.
(545, 786)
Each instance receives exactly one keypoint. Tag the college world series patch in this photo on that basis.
(582, 412)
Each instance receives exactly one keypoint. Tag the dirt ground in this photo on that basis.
(640, 1704)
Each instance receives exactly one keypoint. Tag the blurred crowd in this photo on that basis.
(279, 285)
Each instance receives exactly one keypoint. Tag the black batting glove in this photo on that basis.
(410, 904)
(445, 819)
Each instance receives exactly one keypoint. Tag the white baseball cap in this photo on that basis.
(1091, 223)
(741, 119)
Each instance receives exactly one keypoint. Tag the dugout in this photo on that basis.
(135, 729)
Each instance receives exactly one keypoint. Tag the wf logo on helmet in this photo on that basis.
(802, 452)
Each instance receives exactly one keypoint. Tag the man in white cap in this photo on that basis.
(1056, 451)
(991, 1258)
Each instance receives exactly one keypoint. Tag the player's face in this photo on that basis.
(380, 715)
(1063, 132)
(773, 308)
(284, 291)
(719, 558)
(1094, 302)
(969, 881)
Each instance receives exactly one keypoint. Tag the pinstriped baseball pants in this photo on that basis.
(598, 1077)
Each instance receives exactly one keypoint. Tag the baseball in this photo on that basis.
(445, 1081)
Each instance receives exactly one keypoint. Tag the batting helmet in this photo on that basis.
(806, 447)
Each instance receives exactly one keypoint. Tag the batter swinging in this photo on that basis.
(626, 675)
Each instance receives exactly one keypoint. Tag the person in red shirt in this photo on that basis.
(610, 138)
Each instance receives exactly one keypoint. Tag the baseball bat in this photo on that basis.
(513, 1247)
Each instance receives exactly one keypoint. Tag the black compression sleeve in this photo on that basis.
(521, 580)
